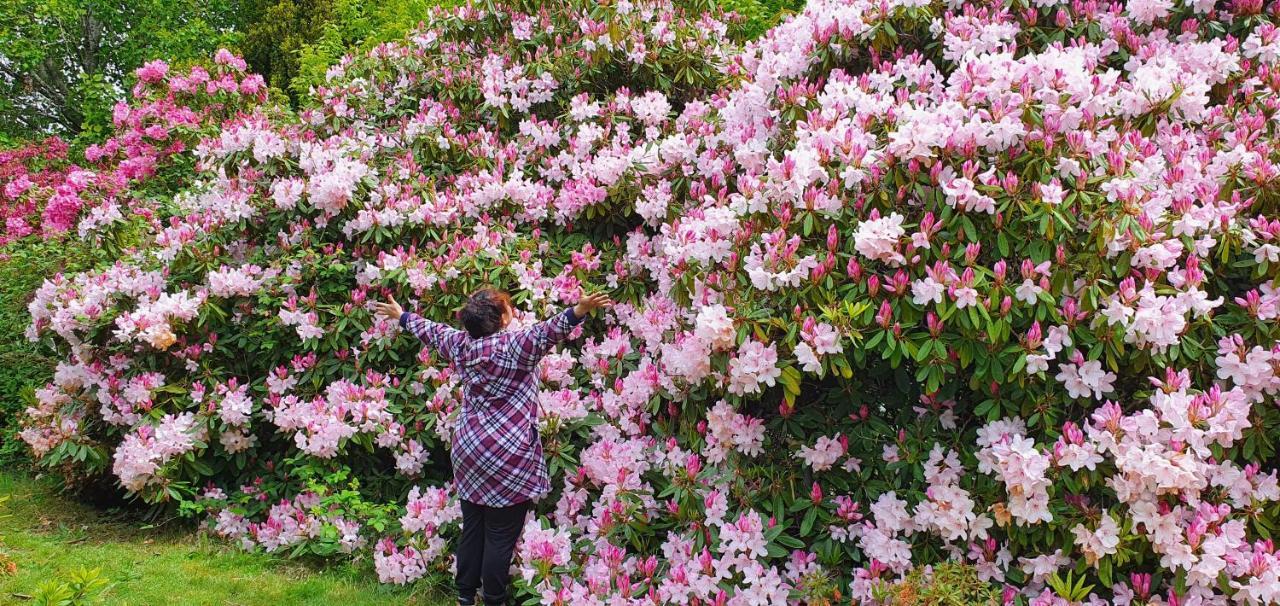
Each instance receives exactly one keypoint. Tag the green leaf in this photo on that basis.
(970, 232)
(807, 524)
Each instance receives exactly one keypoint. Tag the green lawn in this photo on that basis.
(50, 537)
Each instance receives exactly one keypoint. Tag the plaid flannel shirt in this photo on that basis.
(497, 452)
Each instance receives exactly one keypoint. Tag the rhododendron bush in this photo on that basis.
(900, 283)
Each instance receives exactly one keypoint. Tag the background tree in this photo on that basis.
(356, 25)
(65, 63)
(275, 32)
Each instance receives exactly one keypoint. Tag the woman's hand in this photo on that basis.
(589, 303)
(390, 311)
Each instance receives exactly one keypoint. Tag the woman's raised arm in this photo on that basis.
(532, 343)
(442, 339)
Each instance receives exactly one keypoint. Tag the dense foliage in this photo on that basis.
(25, 366)
(902, 282)
(277, 33)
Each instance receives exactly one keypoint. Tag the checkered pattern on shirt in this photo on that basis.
(497, 452)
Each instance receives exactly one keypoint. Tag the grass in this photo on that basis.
(51, 537)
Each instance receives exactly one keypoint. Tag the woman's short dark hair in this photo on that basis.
(482, 316)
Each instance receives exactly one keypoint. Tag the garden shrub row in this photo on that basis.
(900, 283)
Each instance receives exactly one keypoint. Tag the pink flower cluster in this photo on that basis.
(35, 175)
(322, 424)
(427, 516)
(143, 452)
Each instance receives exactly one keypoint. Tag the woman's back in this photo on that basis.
(497, 454)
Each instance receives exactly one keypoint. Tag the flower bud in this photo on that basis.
(854, 269)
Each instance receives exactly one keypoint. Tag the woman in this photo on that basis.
(498, 468)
